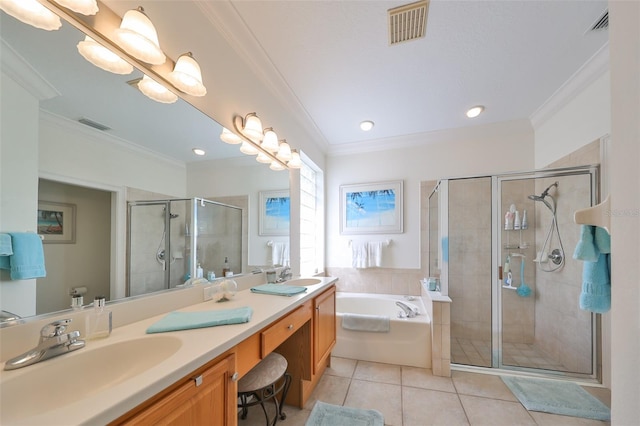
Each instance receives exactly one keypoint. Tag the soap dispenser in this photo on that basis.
(98, 323)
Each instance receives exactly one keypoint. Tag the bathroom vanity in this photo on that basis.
(181, 377)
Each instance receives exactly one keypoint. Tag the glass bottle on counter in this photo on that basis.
(98, 323)
(226, 269)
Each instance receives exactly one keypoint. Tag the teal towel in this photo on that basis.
(27, 260)
(175, 321)
(279, 289)
(594, 248)
(5, 245)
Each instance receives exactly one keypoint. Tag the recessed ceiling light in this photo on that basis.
(475, 111)
(366, 125)
(198, 151)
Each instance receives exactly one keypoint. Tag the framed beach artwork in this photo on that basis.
(57, 222)
(274, 212)
(371, 208)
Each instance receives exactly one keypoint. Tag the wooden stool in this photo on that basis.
(263, 382)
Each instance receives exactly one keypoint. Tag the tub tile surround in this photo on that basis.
(377, 280)
(439, 310)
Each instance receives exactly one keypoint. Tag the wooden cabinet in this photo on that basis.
(284, 328)
(324, 327)
(206, 397)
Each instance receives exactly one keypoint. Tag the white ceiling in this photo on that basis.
(329, 63)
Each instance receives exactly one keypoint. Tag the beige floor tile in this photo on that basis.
(330, 389)
(494, 412)
(484, 385)
(377, 372)
(343, 367)
(383, 397)
(546, 419)
(424, 378)
(424, 407)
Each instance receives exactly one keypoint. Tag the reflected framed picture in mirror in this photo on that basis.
(274, 212)
(57, 222)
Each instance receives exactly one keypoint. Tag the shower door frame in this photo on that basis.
(496, 295)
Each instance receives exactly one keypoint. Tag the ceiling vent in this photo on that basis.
(602, 23)
(408, 22)
(93, 124)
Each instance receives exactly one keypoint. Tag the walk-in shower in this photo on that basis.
(505, 259)
(168, 239)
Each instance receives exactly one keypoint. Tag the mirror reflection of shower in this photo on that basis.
(160, 252)
(548, 254)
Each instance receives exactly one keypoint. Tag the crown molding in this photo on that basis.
(95, 136)
(595, 67)
(227, 20)
(20, 71)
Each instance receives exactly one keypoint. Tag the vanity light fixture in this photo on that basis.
(263, 158)
(138, 37)
(156, 91)
(248, 148)
(270, 140)
(276, 166)
(296, 161)
(198, 151)
(31, 12)
(366, 125)
(284, 151)
(187, 77)
(102, 57)
(227, 136)
(251, 127)
(475, 111)
(84, 7)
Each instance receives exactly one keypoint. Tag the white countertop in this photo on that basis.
(199, 346)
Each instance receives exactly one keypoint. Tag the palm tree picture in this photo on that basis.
(371, 208)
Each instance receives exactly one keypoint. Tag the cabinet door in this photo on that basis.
(208, 398)
(324, 327)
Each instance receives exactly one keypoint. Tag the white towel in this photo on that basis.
(362, 322)
(374, 249)
(359, 255)
(280, 253)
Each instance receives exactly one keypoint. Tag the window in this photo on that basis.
(311, 218)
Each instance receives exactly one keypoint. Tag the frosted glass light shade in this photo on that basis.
(247, 148)
(156, 91)
(186, 76)
(31, 12)
(138, 37)
(229, 137)
(253, 127)
(295, 162)
(284, 151)
(270, 141)
(102, 57)
(85, 7)
(276, 166)
(263, 158)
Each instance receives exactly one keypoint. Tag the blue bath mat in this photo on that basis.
(556, 397)
(324, 414)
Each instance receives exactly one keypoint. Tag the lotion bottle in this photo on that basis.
(98, 323)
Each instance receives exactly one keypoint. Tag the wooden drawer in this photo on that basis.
(282, 329)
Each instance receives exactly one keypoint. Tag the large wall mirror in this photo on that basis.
(145, 154)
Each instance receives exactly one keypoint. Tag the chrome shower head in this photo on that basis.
(544, 194)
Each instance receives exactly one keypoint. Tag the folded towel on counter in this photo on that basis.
(175, 321)
(363, 322)
(27, 260)
(279, 289)
(594, 248)
(5, 245)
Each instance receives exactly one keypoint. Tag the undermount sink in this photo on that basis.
(60, 381)
(303, 281)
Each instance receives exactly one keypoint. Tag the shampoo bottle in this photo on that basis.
(525, 221)
(99, 320)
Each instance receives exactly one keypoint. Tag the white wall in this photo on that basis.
(625, 208)
(18, 183)
(582, 120)
(468, 151)
(239, 176)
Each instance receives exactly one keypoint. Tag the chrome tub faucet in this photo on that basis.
(53, 342)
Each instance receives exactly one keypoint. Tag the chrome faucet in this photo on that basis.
(53, 342)
(285, 274)
(410, 311)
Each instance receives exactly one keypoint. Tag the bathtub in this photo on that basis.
(408, 341)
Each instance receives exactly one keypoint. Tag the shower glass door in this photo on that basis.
(541, 324)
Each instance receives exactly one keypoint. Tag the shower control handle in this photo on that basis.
(555, 256)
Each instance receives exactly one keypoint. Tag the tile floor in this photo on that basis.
(409, 396)
(478, 352)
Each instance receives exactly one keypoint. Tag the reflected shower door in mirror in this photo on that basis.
(173, 242)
